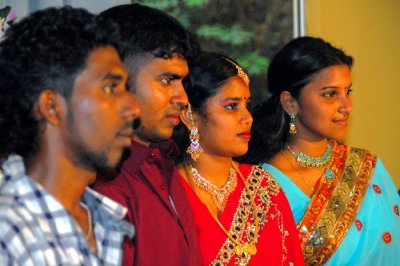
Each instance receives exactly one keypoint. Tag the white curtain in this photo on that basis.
(24, 7)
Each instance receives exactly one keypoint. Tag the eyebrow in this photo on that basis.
(235, 99)
(334, 87)
(113, 76)
(171, 75)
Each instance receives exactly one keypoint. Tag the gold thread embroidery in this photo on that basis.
(243, 227)
(338, 207)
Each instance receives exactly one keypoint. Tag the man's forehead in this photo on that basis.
(173, 64)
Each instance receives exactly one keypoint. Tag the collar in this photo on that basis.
(17, 184)
(140, 153)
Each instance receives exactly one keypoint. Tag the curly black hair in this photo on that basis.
(291, 69)
(46, 50)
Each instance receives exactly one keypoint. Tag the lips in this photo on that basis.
(126, 136)
(245, 135)
(342, 122)
(174, 118)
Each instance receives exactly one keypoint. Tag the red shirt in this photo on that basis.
(165, 233)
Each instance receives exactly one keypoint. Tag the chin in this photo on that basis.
(339, 137)
(162, 134)
(114, 160)
(240, 153)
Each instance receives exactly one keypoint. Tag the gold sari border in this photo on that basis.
(335, 203)
(262, 188)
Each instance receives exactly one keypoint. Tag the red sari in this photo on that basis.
(277, 242)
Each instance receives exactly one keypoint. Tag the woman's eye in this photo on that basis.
(329, 94)
(231, 106)
(247, 105)
(348, 92)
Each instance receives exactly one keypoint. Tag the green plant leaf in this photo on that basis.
(234, 35)
(254, 63)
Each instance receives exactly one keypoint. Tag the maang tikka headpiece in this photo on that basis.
(241, 73)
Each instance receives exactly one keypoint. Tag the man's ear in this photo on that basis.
(289, 103)
(48, 107)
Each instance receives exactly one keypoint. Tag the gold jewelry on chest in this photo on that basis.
(241, 249)
(219, 196)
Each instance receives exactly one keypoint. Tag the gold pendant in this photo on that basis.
(252, 249)
(245, 249)
(239, 250)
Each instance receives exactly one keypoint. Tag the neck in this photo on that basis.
(215, 169)
(311, 148)
(61, 177)
(140, 140)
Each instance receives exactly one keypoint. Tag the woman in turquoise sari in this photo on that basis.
(344, 201)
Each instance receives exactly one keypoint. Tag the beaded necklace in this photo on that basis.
(307, 161)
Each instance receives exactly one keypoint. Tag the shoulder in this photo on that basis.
(116, 184)
(358, 149)
(383, 180)
(361, 152)
(19, 237)
(15, 221)
(261, 177)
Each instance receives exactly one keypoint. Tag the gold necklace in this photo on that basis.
(307, 161)
(240, 249)
(89, 215)
(218, 195)
(311, 187)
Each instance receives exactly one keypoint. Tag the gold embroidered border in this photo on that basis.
(335, 204)
(243, 224)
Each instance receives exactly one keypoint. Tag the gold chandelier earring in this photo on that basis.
(194, 149)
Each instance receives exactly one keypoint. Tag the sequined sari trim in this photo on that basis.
(262, 187)
(335, 203)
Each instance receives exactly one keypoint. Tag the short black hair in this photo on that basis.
(46, 50)
(149, 30)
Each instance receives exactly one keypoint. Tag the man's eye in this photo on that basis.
(109, 88)
(166, 81)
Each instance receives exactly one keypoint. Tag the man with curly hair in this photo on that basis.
(61, 77)
(155, 51)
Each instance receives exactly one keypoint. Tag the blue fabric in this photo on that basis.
(377, 215)
(35, 229)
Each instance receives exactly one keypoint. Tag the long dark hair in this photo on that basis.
(291, 69)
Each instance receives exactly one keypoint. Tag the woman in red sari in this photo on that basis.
(241, 213)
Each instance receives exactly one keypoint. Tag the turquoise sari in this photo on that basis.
(373, 234)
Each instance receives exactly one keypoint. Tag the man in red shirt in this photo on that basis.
(155, 51)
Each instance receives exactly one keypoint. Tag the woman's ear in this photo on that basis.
(289, 103)
(48, 107)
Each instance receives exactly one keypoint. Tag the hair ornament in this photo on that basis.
(241, 73)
